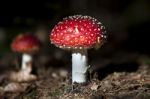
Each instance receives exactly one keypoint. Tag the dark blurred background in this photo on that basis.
(127, 23)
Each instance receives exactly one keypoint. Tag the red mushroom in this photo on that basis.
(26, 44)
(78, 33)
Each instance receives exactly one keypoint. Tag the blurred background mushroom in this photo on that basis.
(26, 44)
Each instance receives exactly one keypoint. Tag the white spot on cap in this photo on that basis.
(82, 29)
(76, 30)
(102, 27)
(61, 33)
(80, 48)
(92, 34)
(99, 23)
(95, 29)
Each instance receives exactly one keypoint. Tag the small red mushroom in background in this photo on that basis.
(78, 33)
(27, 44)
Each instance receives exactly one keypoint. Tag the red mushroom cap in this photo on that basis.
(25, 43)
(78, 32)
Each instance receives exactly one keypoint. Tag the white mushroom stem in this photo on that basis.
(26, 63)
(79, 66)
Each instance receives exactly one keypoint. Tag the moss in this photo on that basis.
(29, 94)
(55, 93)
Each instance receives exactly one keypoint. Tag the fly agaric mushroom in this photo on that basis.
(26, 44)
(78, 33)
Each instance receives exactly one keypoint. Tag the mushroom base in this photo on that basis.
(25, 73)
(79, 66)
(22, 76)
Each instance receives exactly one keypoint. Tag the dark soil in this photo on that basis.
(104, 83)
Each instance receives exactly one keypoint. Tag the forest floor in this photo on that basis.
(55, 83)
